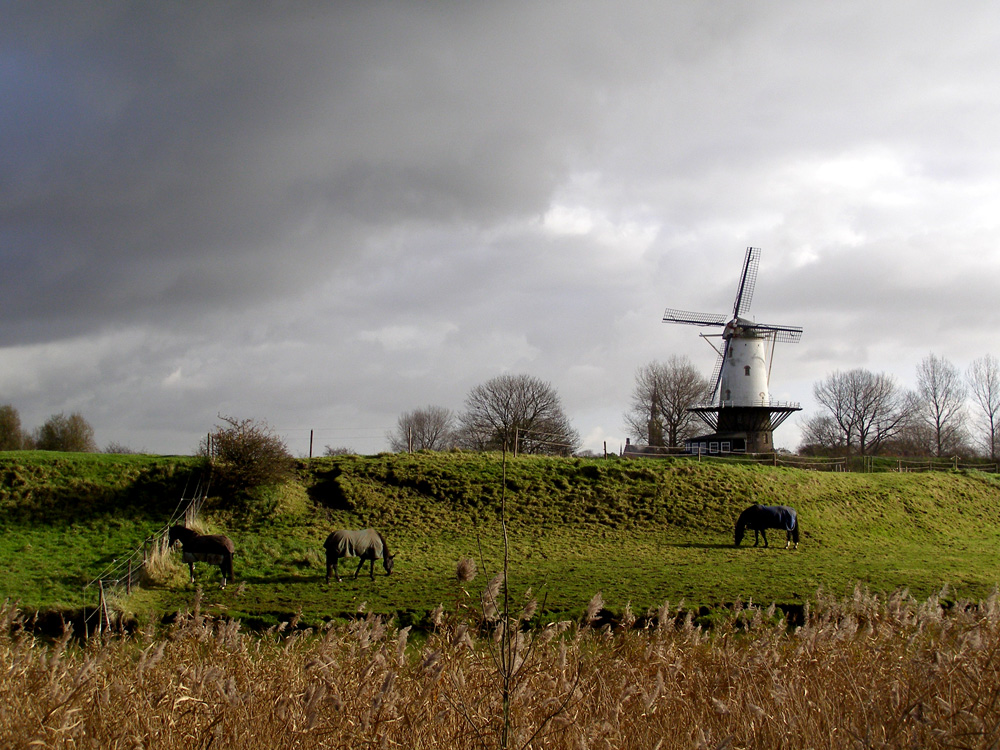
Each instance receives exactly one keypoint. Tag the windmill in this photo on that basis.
(740, 411)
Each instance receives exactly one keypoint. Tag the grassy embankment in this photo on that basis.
(638, 532)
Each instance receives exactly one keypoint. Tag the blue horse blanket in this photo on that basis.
(777, 517)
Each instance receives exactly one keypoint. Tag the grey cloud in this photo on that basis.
(329, 213)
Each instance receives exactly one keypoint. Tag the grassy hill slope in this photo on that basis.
(639, 532)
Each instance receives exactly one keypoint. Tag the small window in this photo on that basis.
(726, 447)
(746, 369)
(713, 447)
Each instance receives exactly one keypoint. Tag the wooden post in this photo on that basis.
(100, 607)
(605, 448)
(310, 443)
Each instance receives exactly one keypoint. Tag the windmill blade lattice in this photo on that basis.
(782, 334)
(716, 379)
(698, 319)
(748, 280)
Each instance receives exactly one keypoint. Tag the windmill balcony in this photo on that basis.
(765, 403)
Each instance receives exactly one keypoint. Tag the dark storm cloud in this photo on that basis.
(326, 214)
(168, 156)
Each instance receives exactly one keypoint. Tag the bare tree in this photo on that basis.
(983, 377)
(942, 402)
(66, 433)
(11, 434)
(431, 428)
(520, 412)
(868, 409)
(822, 435)
(663, 393)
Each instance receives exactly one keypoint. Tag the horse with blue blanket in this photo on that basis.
(366, 544)
(214, 549)
(761, 517)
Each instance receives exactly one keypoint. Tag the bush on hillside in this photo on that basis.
(248, 460)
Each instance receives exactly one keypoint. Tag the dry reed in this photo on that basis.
(861, 672)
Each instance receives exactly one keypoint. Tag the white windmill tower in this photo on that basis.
(741, 412)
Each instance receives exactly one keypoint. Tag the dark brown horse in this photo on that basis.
(214, 549)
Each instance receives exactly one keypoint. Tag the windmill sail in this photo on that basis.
(692, 318)
(748, 280)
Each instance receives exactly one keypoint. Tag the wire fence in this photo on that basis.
(125, 571)
(307, 442)
(865, 464)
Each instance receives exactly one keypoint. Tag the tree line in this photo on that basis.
(861, 412)
(950, 413)
(60, 432)
(519, 413)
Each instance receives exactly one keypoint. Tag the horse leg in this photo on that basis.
(360, 563)
(756, 537)
(336, 572)
(371, 573)
(763, 533)
(191, 567)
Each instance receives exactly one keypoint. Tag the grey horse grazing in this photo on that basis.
(214, 549)
(761, 517)
(367, 544)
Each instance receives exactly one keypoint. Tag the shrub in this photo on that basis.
(248, 460)
(62, 433)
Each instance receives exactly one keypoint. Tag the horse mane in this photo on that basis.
(385, 546)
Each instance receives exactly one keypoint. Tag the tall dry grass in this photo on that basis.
(861, 672)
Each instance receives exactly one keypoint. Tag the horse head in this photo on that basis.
(179, 534)
(387, 563)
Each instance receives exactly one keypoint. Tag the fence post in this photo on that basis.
(100, 607)
(310, 443)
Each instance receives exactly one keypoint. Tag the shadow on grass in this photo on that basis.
(700, 545)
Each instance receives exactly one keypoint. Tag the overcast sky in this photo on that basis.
(326, 214)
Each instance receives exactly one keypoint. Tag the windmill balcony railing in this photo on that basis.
(764, 403)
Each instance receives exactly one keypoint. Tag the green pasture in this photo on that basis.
(639, 532)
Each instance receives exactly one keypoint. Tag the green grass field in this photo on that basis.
(639, 532)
